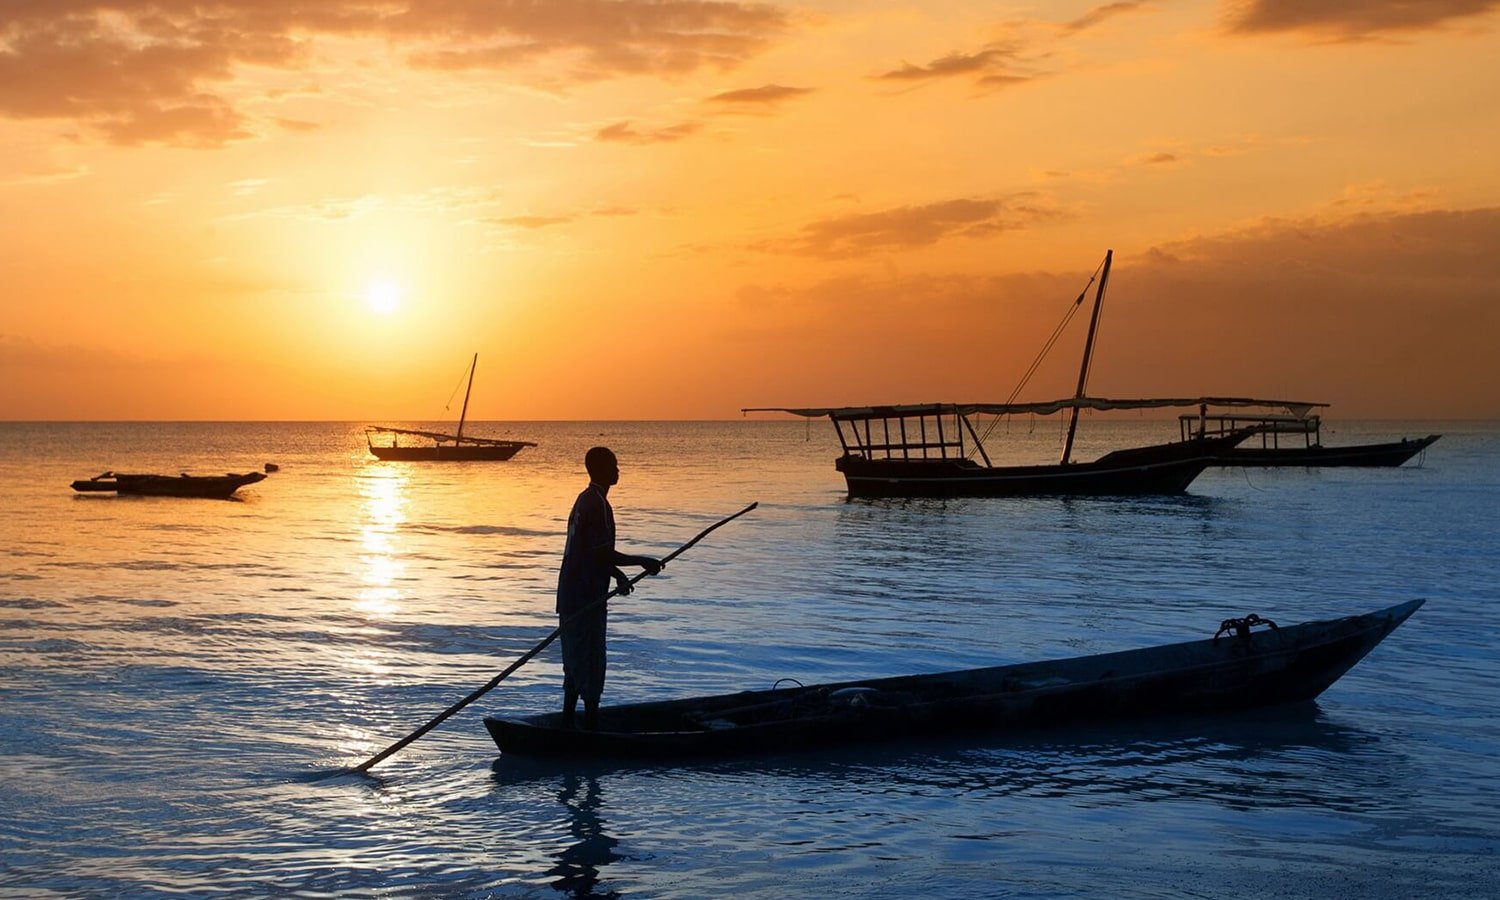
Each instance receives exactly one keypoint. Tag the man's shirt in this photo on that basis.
(583, 577)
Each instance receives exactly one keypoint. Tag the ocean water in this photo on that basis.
(174, 674)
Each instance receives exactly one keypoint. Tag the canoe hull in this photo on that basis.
(1293, 664)
(1388, 455)
(212, 487)
(1158, 469)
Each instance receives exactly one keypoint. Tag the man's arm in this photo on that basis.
(651, 564)
(615, 559)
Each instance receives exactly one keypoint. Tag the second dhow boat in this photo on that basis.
(444, 447)
(1296, 420)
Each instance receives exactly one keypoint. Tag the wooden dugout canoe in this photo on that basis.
(214, 487)
(1238, 670)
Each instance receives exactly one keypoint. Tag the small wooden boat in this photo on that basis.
(444, 447)
(1237, 669)
(219, 487)
(1266, 448)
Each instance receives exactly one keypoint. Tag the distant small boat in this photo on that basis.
(219, 487)
(1265, 448)
(445, 447)
(1236, 670)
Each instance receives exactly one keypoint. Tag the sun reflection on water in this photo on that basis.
(383, 493)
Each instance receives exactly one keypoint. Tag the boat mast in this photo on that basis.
(1088, 351)
(465, 412)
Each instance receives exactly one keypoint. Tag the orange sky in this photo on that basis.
(674, 209)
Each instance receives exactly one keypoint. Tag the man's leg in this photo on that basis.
(570, 678)
(598, 658)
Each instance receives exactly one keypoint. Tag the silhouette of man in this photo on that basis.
(589, 562)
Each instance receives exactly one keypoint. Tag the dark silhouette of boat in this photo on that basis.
(1266, 447)
(444, 447)
(1387, 455)
(928, 450)
(1238, 669)
(218, 487)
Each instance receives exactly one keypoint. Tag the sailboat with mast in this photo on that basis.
(927, 450)
(456, 447)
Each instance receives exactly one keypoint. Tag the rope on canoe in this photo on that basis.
(1241, 627)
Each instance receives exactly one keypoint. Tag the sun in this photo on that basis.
(383, 296)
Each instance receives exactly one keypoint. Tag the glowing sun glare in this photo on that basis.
(383, 297)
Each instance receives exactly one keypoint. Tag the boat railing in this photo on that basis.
(1269, 427)
(924, 433)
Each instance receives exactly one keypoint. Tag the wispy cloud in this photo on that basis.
(1108, 11)
(300, 126)
(45, 174)
(764, 96)
(989, 63)
(907, 227)
(530, 223)
(1017, 56)
(1349, 20)
(625, 132)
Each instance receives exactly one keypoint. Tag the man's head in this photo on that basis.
(603, 467)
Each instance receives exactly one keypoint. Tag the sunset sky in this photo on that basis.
(655, 210)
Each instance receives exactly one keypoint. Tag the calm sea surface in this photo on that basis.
(174, 673)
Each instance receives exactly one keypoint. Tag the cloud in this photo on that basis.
(246, 186)
(1384, 315)
(530, 223)
(1395, 307)
(1108, 11)
(907, 227)
(996, 65)
(1349, 20)
(981, 62)
(766, 95)
(297, 125)
(46, 173)
(150, 71)
(625, 132)
(1162, 158)
(533, 222)
(1012, 60)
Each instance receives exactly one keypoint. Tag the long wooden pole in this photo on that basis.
(1088, 351)
(525, 658)
(464, 413)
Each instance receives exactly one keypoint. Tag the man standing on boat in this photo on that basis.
(589, 561)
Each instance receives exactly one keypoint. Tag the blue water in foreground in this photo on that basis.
(174, 673)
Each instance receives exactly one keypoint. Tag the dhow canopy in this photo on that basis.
(1042, 408)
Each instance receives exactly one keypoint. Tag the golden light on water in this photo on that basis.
(383, 510)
